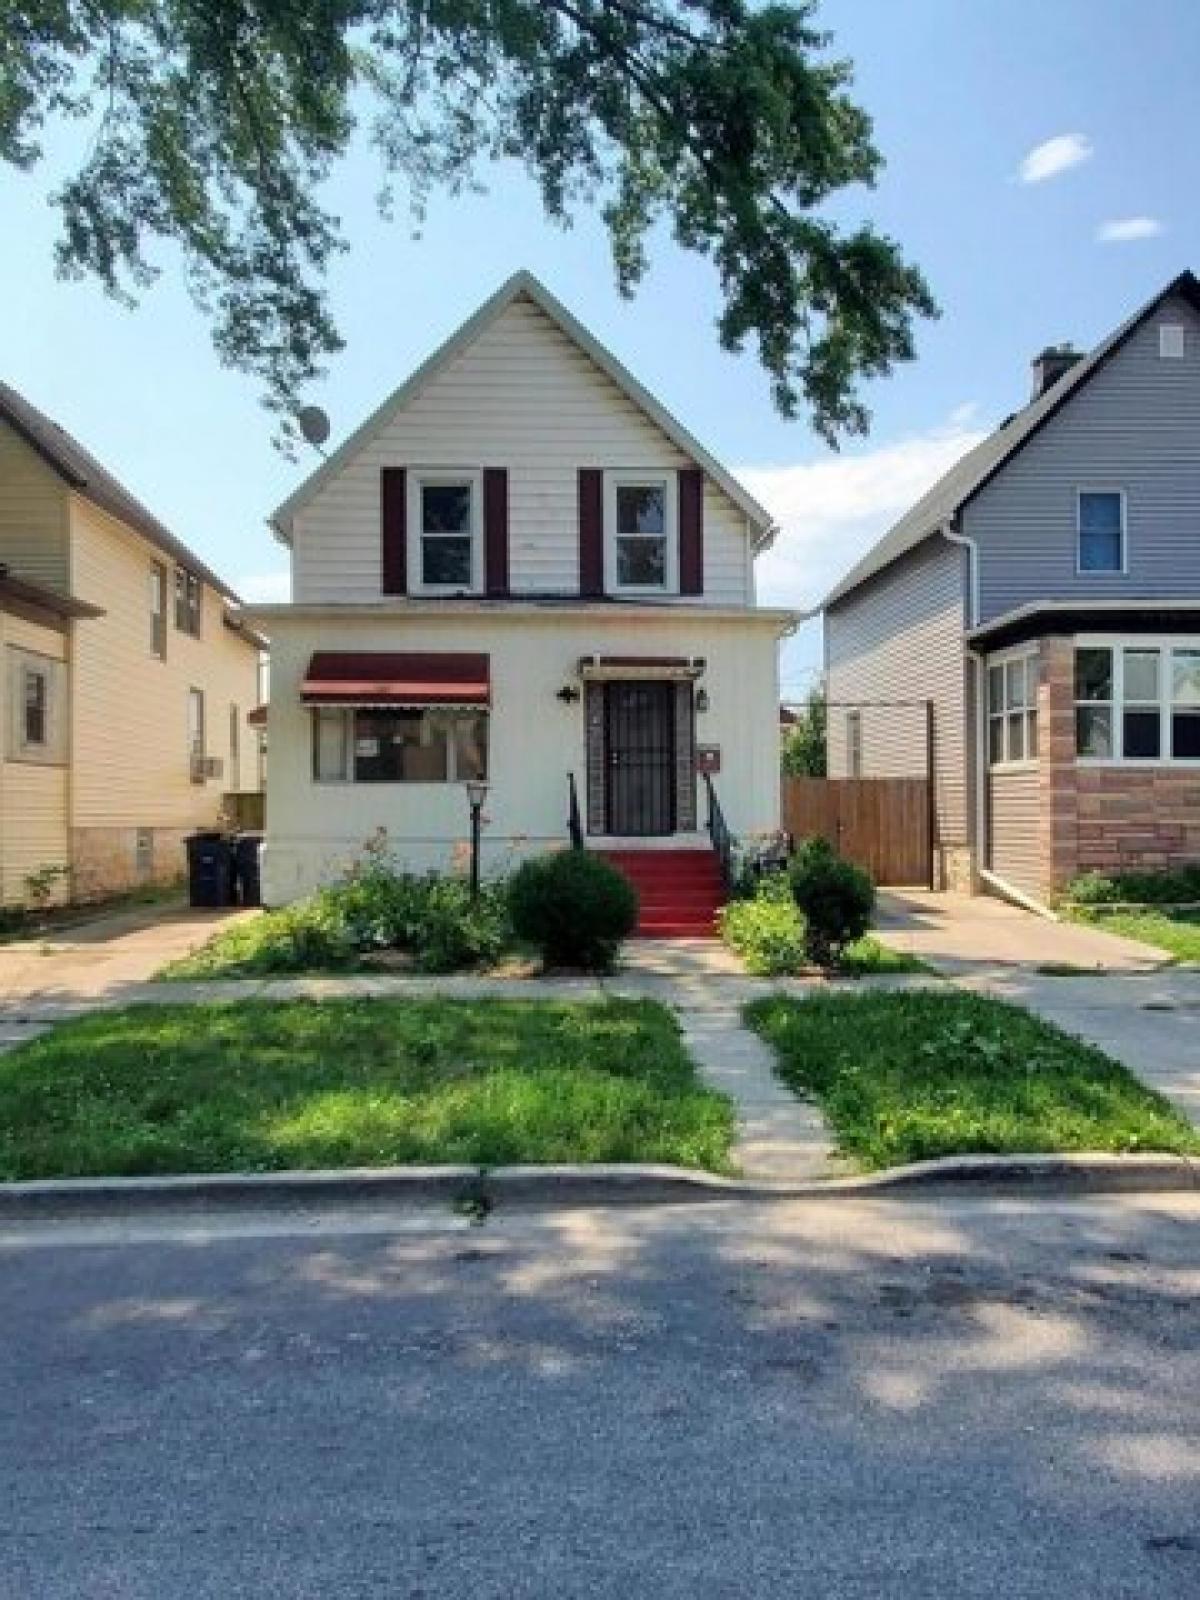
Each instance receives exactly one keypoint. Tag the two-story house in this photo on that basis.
(520, 569)
(1045, 597)
(128, 676)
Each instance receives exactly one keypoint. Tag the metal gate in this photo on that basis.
(640, 754)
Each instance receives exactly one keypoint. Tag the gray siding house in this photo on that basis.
(1044, 596)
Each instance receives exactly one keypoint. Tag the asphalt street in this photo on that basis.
(850, 1399)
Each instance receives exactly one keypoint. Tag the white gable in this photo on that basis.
(523, 395)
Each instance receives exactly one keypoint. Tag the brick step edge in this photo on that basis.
(564, 1185)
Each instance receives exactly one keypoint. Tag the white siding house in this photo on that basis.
(520, 569)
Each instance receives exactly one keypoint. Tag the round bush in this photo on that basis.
(836, 897)
(574, 907)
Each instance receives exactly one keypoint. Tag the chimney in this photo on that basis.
(1049, 367)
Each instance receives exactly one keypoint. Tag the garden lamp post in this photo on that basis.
(476, 795)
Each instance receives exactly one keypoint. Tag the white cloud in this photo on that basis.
(265, 588)
(1052, 156)
(1124, 230)
(832, 510)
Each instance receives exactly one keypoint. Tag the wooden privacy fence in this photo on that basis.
(882, 824)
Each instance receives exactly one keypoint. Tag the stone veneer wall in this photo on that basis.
(107, 861)
(1104, 818)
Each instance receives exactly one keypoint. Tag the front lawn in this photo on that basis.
(1167, 928)
(265, 1086)
(908, 1076)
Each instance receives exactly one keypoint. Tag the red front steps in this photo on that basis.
(679, 891)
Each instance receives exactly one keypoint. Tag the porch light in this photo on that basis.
(568, 694)
(702, 700)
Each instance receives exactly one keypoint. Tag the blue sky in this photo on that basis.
(1095, 97)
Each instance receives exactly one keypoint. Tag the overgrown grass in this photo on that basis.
(1175, 931)
(767, 931)
(261, 1086)
(909, 1076)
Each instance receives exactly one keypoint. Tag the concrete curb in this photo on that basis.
(567, 1186)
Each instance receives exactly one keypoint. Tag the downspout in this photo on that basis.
(993, 880)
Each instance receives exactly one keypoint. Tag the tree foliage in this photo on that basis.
(805, 753)
(216, 123)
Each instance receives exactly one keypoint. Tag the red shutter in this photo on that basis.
(691, 531)
(591, 531)
(495, 531)
(393, 505)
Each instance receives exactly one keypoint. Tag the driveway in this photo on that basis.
(1126, 1001)
(100, 957)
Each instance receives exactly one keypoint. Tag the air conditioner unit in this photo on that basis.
(204, 767)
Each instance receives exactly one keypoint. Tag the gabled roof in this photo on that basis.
(87, 477)
(979, 466)
(525, 285)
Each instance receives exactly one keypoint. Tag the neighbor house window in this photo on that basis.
(1012, 709)
(195, 734)
(1138, 700)
(399, 746)
(1101, 520)
(36, 724)
(445, 543)
(642, 545)
(188, 593)
(235, 749)
(854, 744)
(158, 611)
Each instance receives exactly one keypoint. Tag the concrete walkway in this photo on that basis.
(1126, 1001)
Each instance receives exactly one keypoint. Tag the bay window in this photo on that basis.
(1012, 709)
(392, 744)
(1137, 700)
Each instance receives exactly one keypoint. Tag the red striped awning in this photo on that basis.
(396, 678)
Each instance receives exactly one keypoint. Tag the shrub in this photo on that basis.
(835, 897)
(574, 907)
(1136, 888)
(766, 931)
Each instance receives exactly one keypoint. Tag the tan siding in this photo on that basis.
(525, 397)
(1013, 819)
(130, 756)
(33, 513)
(900, 638)
(33, 796)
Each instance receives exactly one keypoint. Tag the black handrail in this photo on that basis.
(574, 820)
(719, 834)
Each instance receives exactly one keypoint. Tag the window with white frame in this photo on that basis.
(1102, 531)
(1012, 708)
(398, 745)
(642, 543)
(445, 532)
(1137, 700)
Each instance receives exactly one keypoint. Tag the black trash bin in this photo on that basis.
(246, 869)
(210, 870)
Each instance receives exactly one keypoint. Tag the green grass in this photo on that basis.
(262, 1087)
(909, 1076)
(1175, 931)
(870, 959)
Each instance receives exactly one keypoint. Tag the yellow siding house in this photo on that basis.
(127, 674)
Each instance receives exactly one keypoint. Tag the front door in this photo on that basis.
(640, 755)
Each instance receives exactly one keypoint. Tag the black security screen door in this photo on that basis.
(640, 750)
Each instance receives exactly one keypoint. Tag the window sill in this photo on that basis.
(1185, 763)
(1014, 766)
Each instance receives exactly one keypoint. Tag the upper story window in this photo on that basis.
(1012, 709)
(642, 537)
(1138, 700)
(1102, 534)
(854, 744)
(188, 600)
(445, 542)
(158, 611)
(196, 734)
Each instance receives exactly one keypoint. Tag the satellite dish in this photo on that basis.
(314, 425)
